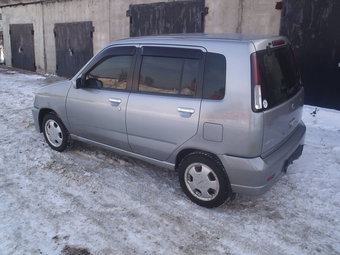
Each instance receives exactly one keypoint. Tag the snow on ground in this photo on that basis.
(92, 201)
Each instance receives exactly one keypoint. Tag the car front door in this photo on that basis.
(163, 109)
(96, 110)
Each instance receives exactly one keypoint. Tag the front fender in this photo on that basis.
(51, 98)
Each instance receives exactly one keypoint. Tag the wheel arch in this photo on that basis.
(42, 113)
(182, 154)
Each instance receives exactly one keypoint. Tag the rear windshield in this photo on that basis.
(279, 74)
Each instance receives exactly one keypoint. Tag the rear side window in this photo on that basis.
(169, 71)
(279, 76)
(214, 76)
(168, 75)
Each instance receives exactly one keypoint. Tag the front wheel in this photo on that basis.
(55, 132)
(204, 180)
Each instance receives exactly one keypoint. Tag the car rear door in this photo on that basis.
(282, 95)
(163, 109)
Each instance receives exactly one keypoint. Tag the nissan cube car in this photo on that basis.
(222, 110)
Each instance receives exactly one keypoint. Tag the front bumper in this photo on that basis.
(255, 176)
(35, 113)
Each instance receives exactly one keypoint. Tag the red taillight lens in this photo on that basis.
(256, 70)
(256, 82)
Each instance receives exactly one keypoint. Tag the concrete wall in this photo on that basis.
(110, 21)
(76, 11)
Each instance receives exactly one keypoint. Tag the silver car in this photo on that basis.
(222, 110)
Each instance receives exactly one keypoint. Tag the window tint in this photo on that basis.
(188, 85)
(168, 75)
(214, 76)
(279, 75)
(111, 73)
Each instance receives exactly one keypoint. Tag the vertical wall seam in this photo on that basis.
(43, 35)
(240, 17)
(110, 25)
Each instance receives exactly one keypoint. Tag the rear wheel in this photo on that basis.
(204, 180)
(55, 132)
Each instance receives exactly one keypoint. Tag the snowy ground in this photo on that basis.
(92, 201)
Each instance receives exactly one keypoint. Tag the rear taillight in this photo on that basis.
(257, 97)
(257, 83)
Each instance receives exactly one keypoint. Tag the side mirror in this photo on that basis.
(93, 83)
(80, 82)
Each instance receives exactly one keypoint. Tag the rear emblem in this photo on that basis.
(265, 103)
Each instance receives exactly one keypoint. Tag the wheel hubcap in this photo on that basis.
(202, 182)
(53, 133)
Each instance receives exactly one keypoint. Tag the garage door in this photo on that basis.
(22, 46)
(167, 18)
(74, 46)
(313, 28)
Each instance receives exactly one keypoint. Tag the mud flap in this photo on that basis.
(295, 155)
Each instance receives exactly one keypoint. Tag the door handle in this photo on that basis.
(185, 110)
(115, 100)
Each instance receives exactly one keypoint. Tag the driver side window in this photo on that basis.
(110, 73)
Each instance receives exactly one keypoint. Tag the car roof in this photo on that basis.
(201, 39)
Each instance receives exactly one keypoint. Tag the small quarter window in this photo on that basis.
(214, 77)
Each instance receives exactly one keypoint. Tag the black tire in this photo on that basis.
(204, 179)
(55, 132)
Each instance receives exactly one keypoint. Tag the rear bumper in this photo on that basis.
(255, 176)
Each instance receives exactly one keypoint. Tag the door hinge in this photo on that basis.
(128, 14)
(206, 11)
(91, 32)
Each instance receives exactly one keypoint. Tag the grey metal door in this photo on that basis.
(74, 46)
(167, 18)
(157, 125)
(92, 116)
(98, 113)
(22, 46)
(313, 28)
